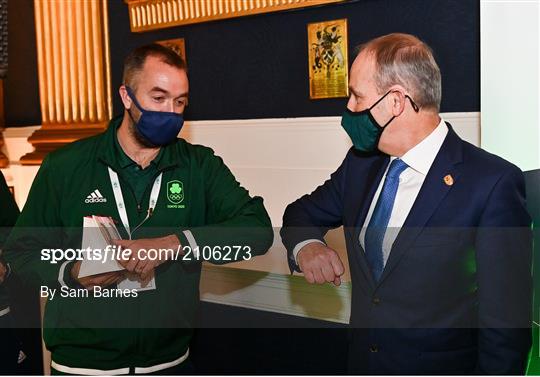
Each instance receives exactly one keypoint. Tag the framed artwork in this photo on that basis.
(177, 45)
(328, 59)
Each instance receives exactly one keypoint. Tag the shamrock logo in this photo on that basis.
(175, 188)
(175, 191)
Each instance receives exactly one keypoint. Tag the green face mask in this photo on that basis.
(363, 129)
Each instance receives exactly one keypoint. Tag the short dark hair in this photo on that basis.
(134, 62)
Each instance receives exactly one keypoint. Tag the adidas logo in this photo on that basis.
(95, 197)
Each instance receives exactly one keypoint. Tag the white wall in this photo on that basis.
(510, 100)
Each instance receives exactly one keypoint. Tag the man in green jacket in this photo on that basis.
(163, 193)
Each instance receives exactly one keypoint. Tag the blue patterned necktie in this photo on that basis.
(378, 223)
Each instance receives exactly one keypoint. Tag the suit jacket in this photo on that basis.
(455, 294)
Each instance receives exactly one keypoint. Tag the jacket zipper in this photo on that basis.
(139, 206)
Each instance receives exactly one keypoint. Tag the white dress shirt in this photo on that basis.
(419, 160)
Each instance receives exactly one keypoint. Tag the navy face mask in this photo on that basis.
(159, 128)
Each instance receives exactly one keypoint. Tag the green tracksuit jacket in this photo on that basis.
(154, 327)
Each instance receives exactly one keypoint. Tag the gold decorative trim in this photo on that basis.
(72, 56)
(147, 15)
(107, 54)
(72, 39)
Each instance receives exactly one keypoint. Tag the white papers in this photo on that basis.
(98, 234)
(132, 281)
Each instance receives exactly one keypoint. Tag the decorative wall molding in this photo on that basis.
(72, 40)
(147, 15)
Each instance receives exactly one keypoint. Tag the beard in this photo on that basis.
(136, 134)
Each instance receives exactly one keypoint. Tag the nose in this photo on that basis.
(170, 106)
(351, 103)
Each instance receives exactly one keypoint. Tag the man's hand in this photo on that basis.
(3, 272)
(320, 264)
(102, 280)
(142, 263)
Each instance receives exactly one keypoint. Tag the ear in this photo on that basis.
(125, 97)
(397, 100)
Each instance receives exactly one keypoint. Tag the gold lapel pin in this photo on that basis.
(448, 180)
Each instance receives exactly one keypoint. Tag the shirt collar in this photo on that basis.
(422, 155)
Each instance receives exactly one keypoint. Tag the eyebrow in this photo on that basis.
(158, 89)
(161, 90)
(182, 95)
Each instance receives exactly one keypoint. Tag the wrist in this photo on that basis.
(307, 247)
(171, 241)
(71, 275)
(298, 255)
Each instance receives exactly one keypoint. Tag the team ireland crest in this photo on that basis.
(175, 192)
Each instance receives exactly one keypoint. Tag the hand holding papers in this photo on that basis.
(149, 253)
(100, 233)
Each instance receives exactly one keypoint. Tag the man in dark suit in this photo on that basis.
(438, 237)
